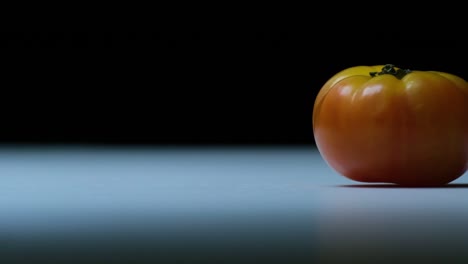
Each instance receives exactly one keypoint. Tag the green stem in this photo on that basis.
(390, 69)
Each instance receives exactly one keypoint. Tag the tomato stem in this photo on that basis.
(390, 69)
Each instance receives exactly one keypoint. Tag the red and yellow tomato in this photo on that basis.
(385, 124)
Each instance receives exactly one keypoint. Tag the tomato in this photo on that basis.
(385, 124)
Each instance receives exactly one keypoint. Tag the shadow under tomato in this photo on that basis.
(394, 186)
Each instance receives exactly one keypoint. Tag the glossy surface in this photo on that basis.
(217, 205)
(412, 131)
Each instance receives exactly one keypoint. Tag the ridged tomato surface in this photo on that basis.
(409, 128)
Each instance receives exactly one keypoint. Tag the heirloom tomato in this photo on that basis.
(387, 124)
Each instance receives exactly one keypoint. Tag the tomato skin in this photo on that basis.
(410, 131)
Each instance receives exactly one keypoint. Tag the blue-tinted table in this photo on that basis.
(216, 205)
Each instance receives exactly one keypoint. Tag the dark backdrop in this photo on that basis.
(188, 86)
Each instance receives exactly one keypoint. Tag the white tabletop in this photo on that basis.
(172, 203)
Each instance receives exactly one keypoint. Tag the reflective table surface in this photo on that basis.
(216, 205)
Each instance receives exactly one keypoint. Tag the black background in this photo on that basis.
(188, 86)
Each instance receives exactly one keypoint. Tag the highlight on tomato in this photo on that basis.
(392, 125)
